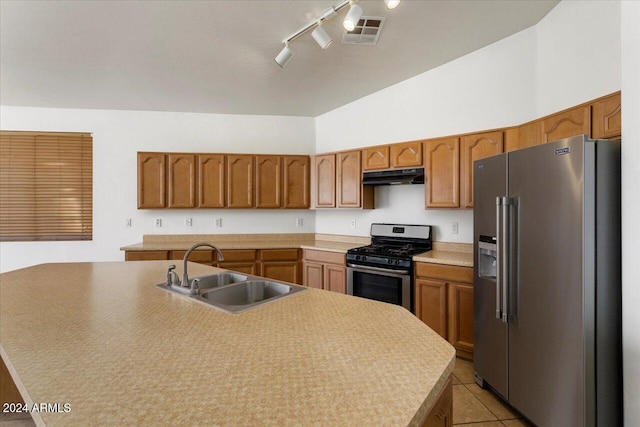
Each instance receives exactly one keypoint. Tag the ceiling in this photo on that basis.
(218, 56)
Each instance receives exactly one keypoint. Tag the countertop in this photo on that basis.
(458, 254)
(102, 338)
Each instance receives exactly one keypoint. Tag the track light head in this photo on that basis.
(352, 18)
(284, 56)
(391, 4)
(321, 37)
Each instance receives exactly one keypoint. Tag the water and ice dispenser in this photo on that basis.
(487, 257)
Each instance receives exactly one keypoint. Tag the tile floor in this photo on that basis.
(475, 407)
(472, 406)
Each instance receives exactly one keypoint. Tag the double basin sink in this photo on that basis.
(233, 292)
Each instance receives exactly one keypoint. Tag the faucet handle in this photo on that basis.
(172, 277)
(195, 288)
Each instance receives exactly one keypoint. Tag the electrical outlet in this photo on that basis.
(353, 223)
(127, 222)
(299, 222)
(188, 222)
(218, 222)
(158, 222)
(454, 227)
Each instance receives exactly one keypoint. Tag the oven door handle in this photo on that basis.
(376, 269)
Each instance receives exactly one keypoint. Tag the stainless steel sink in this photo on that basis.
(234, 292)
(246, 295)
(217, 280)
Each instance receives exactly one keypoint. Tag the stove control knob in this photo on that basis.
(364, 257)
(397, 262)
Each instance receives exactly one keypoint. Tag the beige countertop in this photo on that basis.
(102, 338)
(458, 254)
(333, 243)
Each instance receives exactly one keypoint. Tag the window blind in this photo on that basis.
(46, 186)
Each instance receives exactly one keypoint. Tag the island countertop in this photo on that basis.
(102, 338)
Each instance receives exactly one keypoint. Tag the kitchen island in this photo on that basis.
(104, 340)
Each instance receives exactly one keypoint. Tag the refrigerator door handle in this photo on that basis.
(505, 258)
(499, 276)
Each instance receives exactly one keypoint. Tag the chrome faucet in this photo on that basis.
(185, 277)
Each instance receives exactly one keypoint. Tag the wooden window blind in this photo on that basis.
(46, 186)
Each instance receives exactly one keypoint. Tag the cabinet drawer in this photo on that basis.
(444, 272)
(145, 255)
(239, 255)
(279, 254)
(325, 257)
(201, 256)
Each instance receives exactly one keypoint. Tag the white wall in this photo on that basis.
(560, 62)
(631, 209)
(117, 136)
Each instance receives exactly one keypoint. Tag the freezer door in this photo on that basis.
(489, 332)
(546, 335)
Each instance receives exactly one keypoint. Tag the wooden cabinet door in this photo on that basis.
(606, 117)
(431, 304)
(151, 180)
(313, 276)
(349, 179)
(182, 180)
(576, 121)
(442, 164)
(324, 168)
(296, 182)
(406, 154)
(476, 147)
(240, 181)
(287, 271)
(375, 158)
(528, 135)
(335, 278)
(268, 181)
(211, 181)
(461, 316)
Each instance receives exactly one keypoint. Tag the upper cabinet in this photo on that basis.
(406, 154)
(474, 147)
(240, 181)
(349, 179)
(576, 121)
(337, 181)
(442, 172)
(151, 180)
(375, 158)
(268, 181)
(211, 179)
(324, 174)
(187, 180)
(296, 182)
(182, 180)
(606, 117)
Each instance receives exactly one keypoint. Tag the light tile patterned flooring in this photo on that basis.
(475, 407)
(472, 406)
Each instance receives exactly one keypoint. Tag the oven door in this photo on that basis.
(380, 284)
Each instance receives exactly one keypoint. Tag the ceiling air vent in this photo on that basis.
(366, 32)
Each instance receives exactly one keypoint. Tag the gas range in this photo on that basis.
(383, 270)
(392, 246)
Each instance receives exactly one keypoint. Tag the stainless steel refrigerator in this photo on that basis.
(547, 281)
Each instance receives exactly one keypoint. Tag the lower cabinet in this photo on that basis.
(278, 264)
(444, 301)
(325, 270)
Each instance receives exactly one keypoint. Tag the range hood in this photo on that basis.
(392, 177)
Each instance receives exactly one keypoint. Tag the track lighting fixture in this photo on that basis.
(284, 56)
(352, 18)
(321, 37)
(392, 4)
(319, 34)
